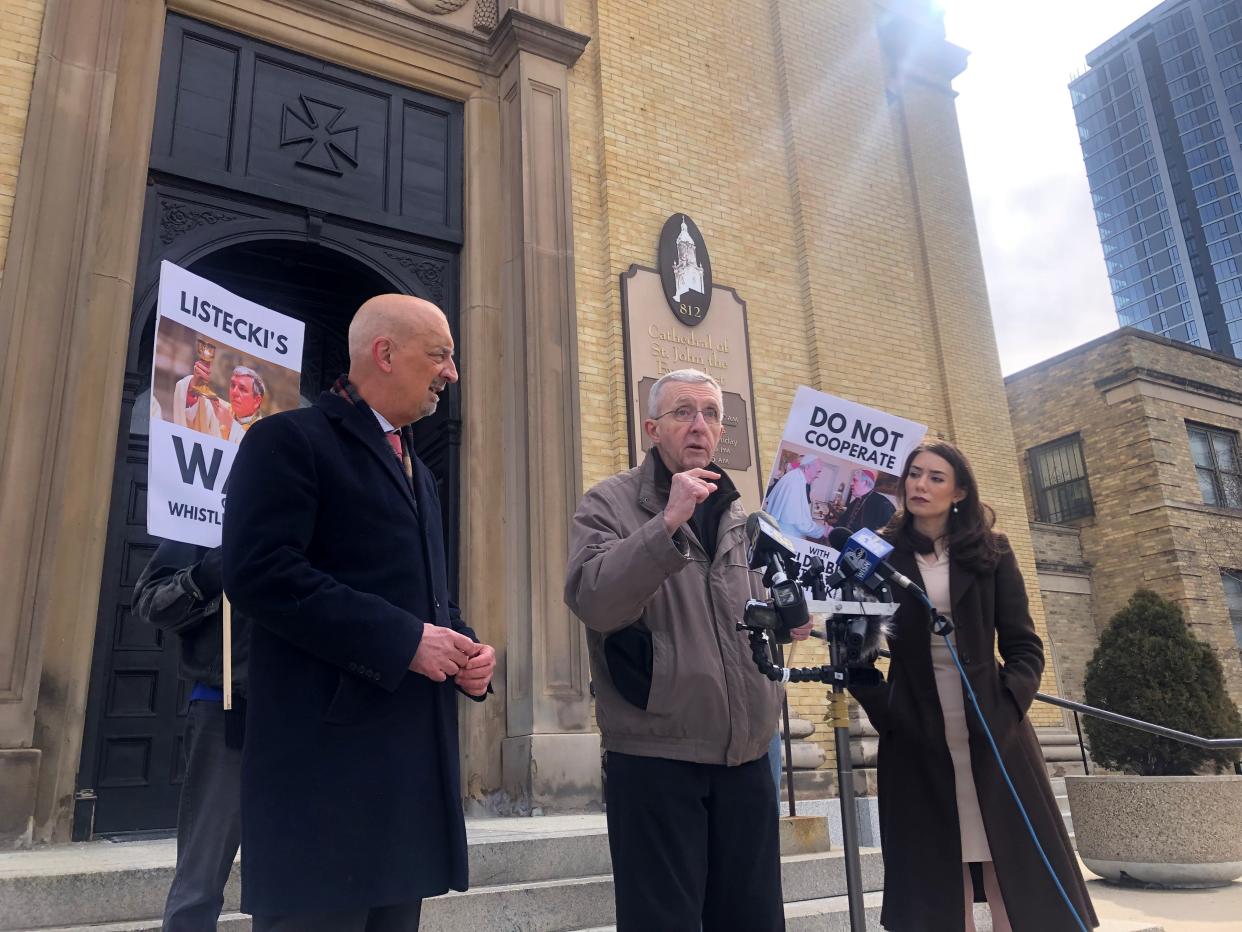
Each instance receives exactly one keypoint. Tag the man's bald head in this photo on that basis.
(400, 356)
(395, 316)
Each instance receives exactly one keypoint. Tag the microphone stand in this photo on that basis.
(764, 618)
(837, 657)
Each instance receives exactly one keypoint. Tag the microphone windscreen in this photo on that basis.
(838, 537)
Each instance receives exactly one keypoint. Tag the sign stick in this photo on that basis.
(227, 685)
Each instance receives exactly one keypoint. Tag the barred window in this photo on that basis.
(1232, 580)
(1215, 453)
(1059, 478)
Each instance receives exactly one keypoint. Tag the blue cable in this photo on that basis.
(1008, 782)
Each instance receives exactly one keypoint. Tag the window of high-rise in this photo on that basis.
(1159, 113)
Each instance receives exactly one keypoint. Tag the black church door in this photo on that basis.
(304, 188)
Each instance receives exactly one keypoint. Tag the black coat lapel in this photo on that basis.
(960, 582)
(367, 430)
(903, 561)
(425, 489)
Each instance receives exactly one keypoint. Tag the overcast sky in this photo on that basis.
(1041, 251)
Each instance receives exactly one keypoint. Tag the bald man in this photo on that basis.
(351, 808)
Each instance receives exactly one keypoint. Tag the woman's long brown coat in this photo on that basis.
(923, 889)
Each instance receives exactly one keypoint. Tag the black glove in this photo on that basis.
(208, 575)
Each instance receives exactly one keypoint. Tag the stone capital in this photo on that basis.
(915, 46)
(521, 32)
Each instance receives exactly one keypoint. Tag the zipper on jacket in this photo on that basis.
(724, 667)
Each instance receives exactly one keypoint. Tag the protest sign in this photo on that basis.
(221, 363)
(837, 465)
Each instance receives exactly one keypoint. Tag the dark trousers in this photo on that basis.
(693, 846)
(208, 823)
(403, 917)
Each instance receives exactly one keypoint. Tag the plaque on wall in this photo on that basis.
(668, 327)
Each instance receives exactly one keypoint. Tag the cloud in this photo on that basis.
(1045, 270)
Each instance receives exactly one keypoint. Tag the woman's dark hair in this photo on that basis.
(971, 538)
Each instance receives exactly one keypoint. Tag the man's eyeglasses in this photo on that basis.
(685, 414)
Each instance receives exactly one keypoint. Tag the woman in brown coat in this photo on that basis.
(948, 822)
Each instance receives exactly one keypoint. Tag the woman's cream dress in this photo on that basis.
(935, 571)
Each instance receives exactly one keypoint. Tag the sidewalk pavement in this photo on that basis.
(1215, 910)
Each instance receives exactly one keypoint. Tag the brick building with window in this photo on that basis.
(1130, 455)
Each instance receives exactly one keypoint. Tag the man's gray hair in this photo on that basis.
(686, 376)
(259, 387)
(806, 459)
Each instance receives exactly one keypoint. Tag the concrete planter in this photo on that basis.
(1161, 831)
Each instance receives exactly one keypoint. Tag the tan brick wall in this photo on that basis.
(20, 21)
(807, 700)
(1073, 639)
(1130, 397)
(775, 126)
(1057, 544)
(1065, 583)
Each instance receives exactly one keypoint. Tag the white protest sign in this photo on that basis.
(221, 363)
(838, 465)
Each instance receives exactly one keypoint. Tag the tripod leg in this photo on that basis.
(789, 774)
(849, 814)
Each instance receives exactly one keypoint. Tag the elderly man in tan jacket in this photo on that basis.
(658, 574)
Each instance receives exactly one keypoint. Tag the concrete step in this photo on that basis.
(983, 923)
(1065, 768)
(829, 914)
(822, 783)
(527, 874)
(1058, 790)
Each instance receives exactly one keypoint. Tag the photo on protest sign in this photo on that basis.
(221, 364)
(837, 466)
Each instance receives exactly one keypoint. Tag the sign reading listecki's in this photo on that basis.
(677, 317)
(221, 363)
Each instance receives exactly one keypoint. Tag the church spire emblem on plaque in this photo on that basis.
(685, 270)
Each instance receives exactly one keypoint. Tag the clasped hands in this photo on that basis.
(443, 652)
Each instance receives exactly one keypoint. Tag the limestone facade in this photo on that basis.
(815, 144)
(1132, 397)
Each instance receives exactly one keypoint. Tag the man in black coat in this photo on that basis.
(867, 508)
(179, 591)
(351, 801)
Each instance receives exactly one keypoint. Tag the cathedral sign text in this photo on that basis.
(656, 345)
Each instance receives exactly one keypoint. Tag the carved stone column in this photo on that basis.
(64, 322)
(550, 756)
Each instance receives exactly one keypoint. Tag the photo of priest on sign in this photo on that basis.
(196, 404)
(213, 388)
(868, 507)
(789, 499)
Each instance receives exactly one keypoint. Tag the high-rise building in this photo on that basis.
(1159, 113)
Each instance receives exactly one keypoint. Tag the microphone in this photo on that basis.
(765, 540)
(863, 554)
(770, 551)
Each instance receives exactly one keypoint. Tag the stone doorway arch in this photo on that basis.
(132, 762)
